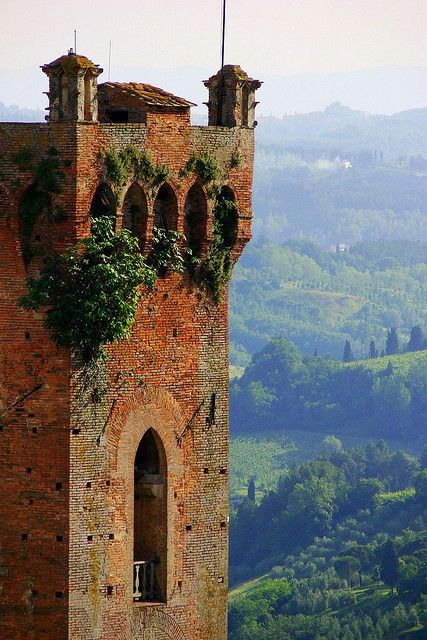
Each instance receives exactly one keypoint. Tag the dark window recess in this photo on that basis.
(1, 427)
(212, 410)
(59, 594)
(175, 332)
(31, 501)
(89, 538)
(179, 584)
(205, 470)
(118, 116)
(223, 471)
(88, 485)
(110, 591)
(108, 482)
(34, 593)
(96, 396)
(223, 524)
(59, 538)
(24, 537)
(27, 335)
(188, 527)
(58, 486)
(34, 430)
(111, 536)
(28, 470)
(75, 432)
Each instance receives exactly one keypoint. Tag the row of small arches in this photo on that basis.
(135, 213)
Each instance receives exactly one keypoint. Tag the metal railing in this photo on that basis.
(143, 581)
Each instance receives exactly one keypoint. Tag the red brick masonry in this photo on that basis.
(68, 444)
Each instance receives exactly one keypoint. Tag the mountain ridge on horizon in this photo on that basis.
(381, 90)
(336, 108)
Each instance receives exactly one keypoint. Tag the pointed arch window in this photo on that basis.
(195, 220)
(150, 520)
(166, 209)
(135, 213)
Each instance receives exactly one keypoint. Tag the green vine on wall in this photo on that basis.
(92, 289)
(167, 253)
(204, 165)
(215, 270)
(121, 165)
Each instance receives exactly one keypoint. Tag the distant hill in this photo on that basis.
(341, 176)
(345, 131)
(381, 90)
(16, 114)
(318, 299)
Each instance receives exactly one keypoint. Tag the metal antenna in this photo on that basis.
(109, 61)
(75, 41)
(223, 34)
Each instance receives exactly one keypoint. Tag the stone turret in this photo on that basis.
(72, 89)
(232, 97)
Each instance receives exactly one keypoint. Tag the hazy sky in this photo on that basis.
(274, 36)
(263, 36)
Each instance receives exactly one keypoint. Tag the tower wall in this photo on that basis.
(69, 435)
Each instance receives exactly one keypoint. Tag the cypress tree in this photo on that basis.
(392, 343)
(389, 565)
(347, 354)
(251, 490)
(416, 340)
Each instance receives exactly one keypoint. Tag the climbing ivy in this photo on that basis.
(215, 270)
(167, 253)
(92, 290)
(121, 165)
(204, 165)
(235, 159)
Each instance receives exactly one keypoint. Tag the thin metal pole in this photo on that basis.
(75, 41)
(109, 61)
(223, 34)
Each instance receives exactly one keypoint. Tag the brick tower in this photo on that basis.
(114, 486)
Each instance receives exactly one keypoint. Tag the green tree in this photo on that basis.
(362, 495)
(346, 566)
(420, 484)
(389, 564)
(392, 342)
(251, 490)
(331, 444)
(373, 351)
(416, 339)
(347, 353)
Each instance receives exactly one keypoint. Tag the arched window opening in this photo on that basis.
(135, 213)
(35, 214)
(150, 520)
(103, 203)
(226, 216)
(166, 209)
(195, 218)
